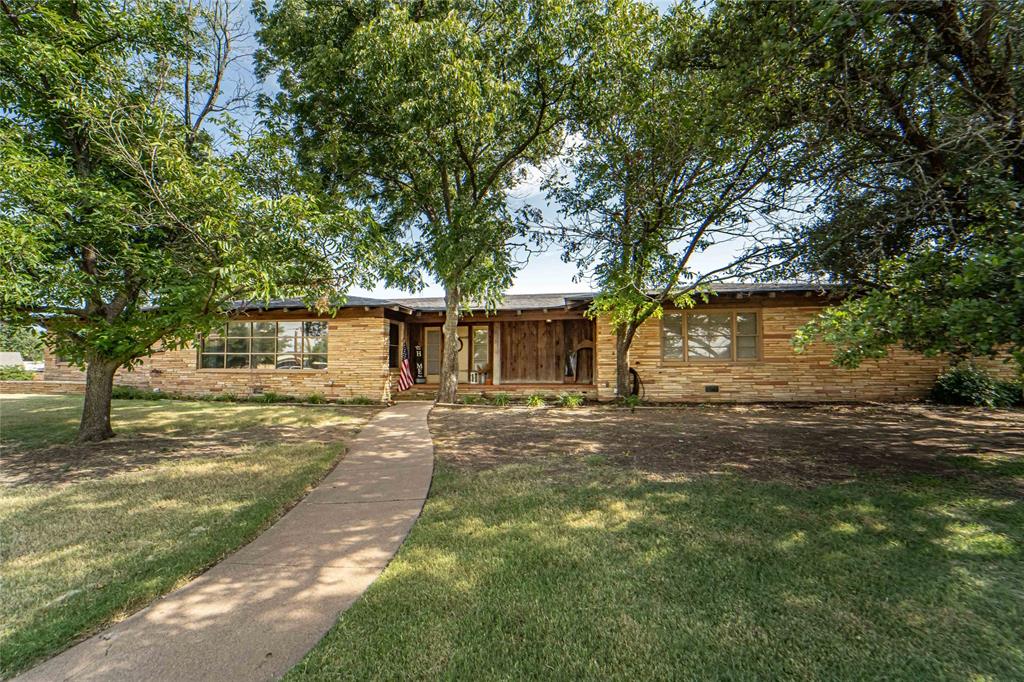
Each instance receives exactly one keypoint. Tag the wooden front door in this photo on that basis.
(474, 360)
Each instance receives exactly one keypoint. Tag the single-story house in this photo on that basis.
(736, 347)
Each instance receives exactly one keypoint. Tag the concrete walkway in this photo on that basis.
(255, 614)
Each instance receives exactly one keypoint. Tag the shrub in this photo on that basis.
(535, 400)
(316, 398)
(133, 393)
(571, 400)
(470, 400)
(271, 397)
(359, 400)
(221, 397)
(1010, 393)
(631, 401)
(501, 399)
(15, 373)
(966, 384)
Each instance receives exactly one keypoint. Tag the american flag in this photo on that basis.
(405, 375)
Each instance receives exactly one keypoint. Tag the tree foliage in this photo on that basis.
(21, 339)
(659, 171)
(121, 226)
(916, 113)
(427, 114)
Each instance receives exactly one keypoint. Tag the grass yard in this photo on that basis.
(89, 535)
(704, 543)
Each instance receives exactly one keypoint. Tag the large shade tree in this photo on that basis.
(121, 228)
(427, 113)
(662, 169)
(916, 108)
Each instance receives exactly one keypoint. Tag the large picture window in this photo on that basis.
(702, 336)
(266, 345)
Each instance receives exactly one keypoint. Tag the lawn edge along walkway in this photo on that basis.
(256, 613)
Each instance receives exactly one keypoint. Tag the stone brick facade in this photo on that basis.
(43, 387)
(779, 373)
(358, 364)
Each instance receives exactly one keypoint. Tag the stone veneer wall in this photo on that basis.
(42, 387)
(358, 347)
(357, 366)
(780, 374)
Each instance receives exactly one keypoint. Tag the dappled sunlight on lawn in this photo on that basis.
(556, 546)
(37, 421)
(92, 533)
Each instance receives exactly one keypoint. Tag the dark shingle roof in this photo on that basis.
(509, 302)
(529, 301)
(297, 303)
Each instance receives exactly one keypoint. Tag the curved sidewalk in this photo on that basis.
(257, 612)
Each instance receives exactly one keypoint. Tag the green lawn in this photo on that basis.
(35, 421)
(571, 566)
(79, 555)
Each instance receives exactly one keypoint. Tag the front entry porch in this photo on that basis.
(512, 354)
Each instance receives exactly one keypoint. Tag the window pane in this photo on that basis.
(393, 351)
(315, 328)
(746, 347)
(263, 345)
(264, 328)
(672, 336)
(239, 329)
(289, 328)
(709, 336)
(481, 349)
(314, 361)
(238, 345)
(263, 361)
(288, 344)
(287, 361)
(316, 344)
(238, 361)
(212, 362)
(213, 345)
(746, 324)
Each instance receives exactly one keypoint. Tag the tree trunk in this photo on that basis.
(99, 385)
(449, 385)
(623, 340)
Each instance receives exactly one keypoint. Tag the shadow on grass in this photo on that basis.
(78, 556)
(801, 445)
(512, 573)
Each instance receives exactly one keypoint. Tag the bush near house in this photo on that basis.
(571, 400)
(967, 384)
(15, 373)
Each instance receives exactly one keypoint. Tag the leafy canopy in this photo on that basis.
(916, 115)
(121, 226)
(427, 113)
(660, 170)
